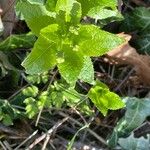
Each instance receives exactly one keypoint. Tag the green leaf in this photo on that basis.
(37, 1)
(142, 43)
(87, 5)
(7, 112)
(94, 42)
(133, 143)
(50, 5)
(104, 99)
(87, 72)
(43, 55)
(76, 13)
(57, 99)
(72, 65)
(100, 12)
(138, 19)
(31, 107)
(72, 97)
(7, 120)
(39, 78)
(44, 100)
(71, 8)
(30, 91)
(17, 42)
(136, 113)
(36, 15)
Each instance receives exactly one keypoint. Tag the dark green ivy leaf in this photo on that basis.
(138, 19)
(142, 43)
(133, 143)
(136, 113)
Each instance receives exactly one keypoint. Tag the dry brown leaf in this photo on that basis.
(125, 54)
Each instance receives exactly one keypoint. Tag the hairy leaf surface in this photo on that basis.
(43, 55)
(87, 72)
(36, 15)
(94, 42)
(72, 65)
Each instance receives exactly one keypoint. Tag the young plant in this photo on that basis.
(65, 42)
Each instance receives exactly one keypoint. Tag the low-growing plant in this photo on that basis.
(66, 42)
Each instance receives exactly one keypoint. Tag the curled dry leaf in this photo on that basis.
(125, 54)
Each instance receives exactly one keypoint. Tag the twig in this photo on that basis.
(124, 80)
(89, 130)
(7, 145)
(38, 117)
(112, 72)
(49, 132)
(77, 112)
(46, 141)
(3, 146)
(6, 129)
(33, 134)
(17, 92)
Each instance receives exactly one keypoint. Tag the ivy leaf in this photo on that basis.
(134, 143)
(72, 65)
(36, 15)
(94, 42)
(142, 43)
(87, 72)
(138, 19)
(136, 113)
(17, 41)
(104, 99)
(141, 18)
(43, 55)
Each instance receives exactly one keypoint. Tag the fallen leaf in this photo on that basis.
(125, 54)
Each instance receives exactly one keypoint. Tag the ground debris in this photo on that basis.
(125, 54)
